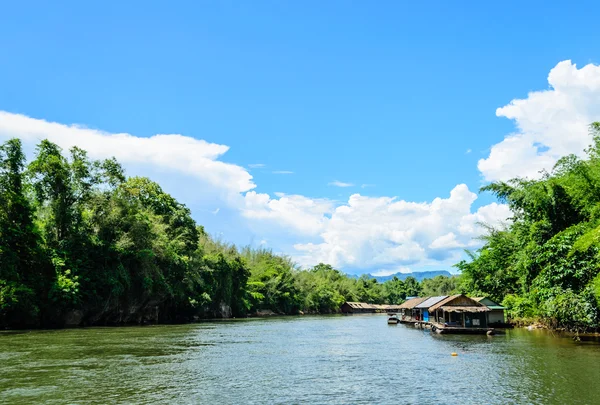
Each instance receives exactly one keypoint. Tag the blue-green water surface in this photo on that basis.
(294, 360)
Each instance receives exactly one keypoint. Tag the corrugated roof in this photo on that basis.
(451, 298)
(411, 303)
(430, 302)
(494, 305)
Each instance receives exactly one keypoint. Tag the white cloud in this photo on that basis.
(367, 185)
(492, 214)
(176, 153)
(256, 165)
(468, 151)
(381, 232)
(294, 213)
(282, 172)
(447, 241)
(337, 183)
(550, 124)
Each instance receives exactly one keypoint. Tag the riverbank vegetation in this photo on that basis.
(82, 244)
(544, 264)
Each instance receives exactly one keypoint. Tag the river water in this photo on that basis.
(294, 360)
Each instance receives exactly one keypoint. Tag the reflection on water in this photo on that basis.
(338, 360)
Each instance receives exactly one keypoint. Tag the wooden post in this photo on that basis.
(463, 316)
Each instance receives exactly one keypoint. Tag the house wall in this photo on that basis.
(472, 318)
(496, 315)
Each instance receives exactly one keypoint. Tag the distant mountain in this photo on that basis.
(419, 275)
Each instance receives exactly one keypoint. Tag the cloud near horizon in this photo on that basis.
(363, 233)
(385, 233)
(174, 152)
(550, 124)
(378, 234)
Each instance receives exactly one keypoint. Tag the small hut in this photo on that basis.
(407, 310)
(459, 314)
(364, 308)
(357, 308)
(496, 315)
(391, 309)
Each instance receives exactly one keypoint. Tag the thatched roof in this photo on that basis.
(379, 307)
(461, 301)
(361, 305)
(413, 302)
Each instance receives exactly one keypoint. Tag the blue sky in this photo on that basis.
(400, 97)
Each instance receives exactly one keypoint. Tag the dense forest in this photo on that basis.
(82, 244)
(544, 264)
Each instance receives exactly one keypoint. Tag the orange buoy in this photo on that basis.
(454, 354)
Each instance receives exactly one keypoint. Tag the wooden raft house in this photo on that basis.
(423, 309)
(408, 313)
(459, 314)
(364, 308)
(495, 317)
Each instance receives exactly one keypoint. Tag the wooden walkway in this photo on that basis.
(442, 329)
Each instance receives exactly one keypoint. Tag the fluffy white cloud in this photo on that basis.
(177, 153)
(380, 232)
(367, 233)
(550, 124)
(294, 213)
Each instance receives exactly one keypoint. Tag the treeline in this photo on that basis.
(545, 265)
(82, 244)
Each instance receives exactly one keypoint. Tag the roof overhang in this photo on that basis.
(459, 308)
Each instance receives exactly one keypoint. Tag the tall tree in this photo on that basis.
(21, 269)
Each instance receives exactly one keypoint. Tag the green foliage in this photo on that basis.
(545, 264)
(519, 307)
(18, 304)
(441, 285)
(65, 289)
(595, 289)
(78, 236)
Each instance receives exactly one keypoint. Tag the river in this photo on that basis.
(294, 360)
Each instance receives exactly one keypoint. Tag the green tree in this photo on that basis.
(22, 276)
(440, 285)
(545, 264)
